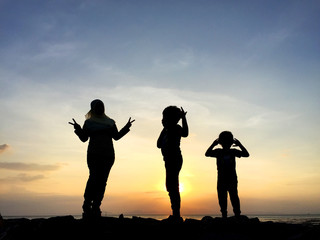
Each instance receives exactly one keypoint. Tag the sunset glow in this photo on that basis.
(249, 67)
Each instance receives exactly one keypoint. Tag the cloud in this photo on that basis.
(19, 166)
(22, 202)
(22, 178)
(175, 60)
(203, 106)
(57, 50)
(266, 117)
(4, 147)
(270, 40)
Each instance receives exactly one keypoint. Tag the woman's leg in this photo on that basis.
(99, 169)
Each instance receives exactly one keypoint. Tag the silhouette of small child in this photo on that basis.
(169, 143)
(227, 176)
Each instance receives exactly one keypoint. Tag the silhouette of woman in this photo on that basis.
(100, 155)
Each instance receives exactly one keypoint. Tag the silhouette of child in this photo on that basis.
(100, 155)
(226, 164)
(169, 142)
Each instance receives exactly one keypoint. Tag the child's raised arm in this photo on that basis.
(185, 128)
(210, 152)
(244, 151)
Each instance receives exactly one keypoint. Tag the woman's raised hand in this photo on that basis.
(75, 124)
(129, 123)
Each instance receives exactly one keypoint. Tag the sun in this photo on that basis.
(184, 188)
(181, 187)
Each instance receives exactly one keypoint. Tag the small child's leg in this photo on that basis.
(223, 199)
(235, 201)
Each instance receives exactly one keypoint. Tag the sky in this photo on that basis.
(250, 67)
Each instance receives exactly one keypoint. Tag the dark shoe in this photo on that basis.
(96, 212)
(91, 215)
(224, 216)
(87, 215)
(173, 219)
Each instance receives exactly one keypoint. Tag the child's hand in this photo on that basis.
(216, 142)
(244, 152)
(183, 113)
(236, 142)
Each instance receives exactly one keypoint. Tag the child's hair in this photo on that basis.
(226, 138)
(172, 113)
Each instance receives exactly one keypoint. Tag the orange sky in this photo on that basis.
(247, 67)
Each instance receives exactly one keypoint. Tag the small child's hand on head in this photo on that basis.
(236, 142)
(216, 142)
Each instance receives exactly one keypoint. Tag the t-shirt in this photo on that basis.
(226, 162)
(170, 141)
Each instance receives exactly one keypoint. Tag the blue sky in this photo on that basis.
(251, 67)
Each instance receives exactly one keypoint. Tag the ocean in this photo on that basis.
(311, 219)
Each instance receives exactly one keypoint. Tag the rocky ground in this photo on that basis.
(67, 227)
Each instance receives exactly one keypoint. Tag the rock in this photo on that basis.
(207, 219)
(172, 220)
(66, 227)
(192, 221)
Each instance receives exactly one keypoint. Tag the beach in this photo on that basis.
(68, 227)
